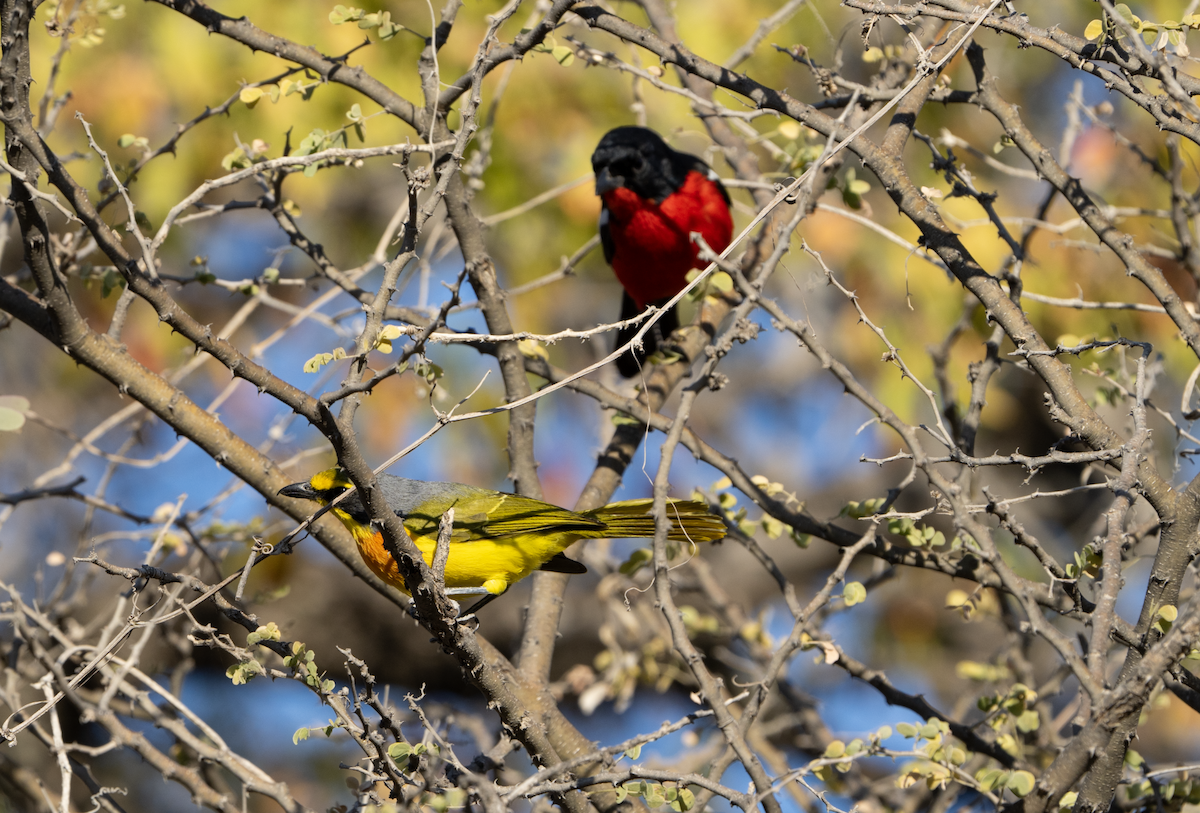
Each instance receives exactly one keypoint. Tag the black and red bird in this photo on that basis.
(653, 198)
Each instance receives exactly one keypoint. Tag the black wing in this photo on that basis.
(558, 563)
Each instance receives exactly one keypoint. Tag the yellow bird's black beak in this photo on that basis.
(299, 491)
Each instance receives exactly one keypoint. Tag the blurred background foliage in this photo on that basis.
(140, 70)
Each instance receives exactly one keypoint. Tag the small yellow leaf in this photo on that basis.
(721, 282)
(386, 336)
(532, 349)
(835, 749)
(317, 362)
(250, 96)
(790, 130)
(1094, 29)
(854, 593)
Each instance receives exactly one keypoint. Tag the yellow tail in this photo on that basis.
(690, 521)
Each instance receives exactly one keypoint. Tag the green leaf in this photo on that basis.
(270, 632)
(235, 160)
(243, 672)
(636, 561)
(684, 800)
(1020, 783)
(1165, 617)
(1067, 802)
(300, 735)
(854, 593)
(428, 370)
(563, 54)
(621, 419)
(1029, 721)
(991, 778)
(12, 412)
(1094, 29)
(773, 527)
(634, 752)
(399, 750)
(344, 14)
(834, 750)
(907, 730)
(311, 143)
(721, 281)
(10, 420)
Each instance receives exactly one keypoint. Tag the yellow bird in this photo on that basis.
(497, 539)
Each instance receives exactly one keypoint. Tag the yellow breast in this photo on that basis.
(490, 564)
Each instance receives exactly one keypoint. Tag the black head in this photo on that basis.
(639, 160)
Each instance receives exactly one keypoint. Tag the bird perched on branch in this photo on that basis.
(497, 539)
(653, 198)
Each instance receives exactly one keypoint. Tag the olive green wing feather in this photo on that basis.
(478, 512)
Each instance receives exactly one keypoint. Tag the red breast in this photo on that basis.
(652, 248)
